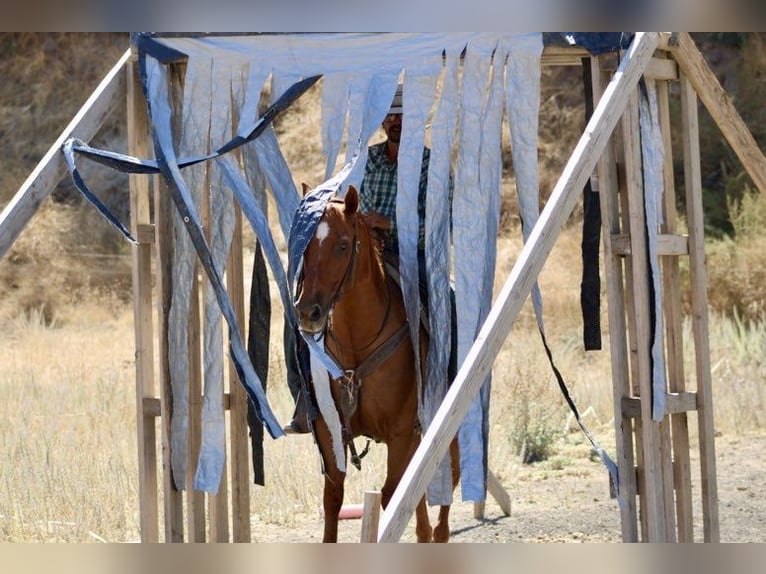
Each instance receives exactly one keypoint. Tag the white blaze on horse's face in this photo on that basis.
(323, 231)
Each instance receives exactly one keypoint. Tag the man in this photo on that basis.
(379, 186)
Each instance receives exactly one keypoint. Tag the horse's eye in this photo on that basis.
(343, 245)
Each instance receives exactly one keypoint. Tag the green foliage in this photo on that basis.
(736, 265)
(533, 432)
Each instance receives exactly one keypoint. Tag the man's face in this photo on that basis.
(392, 125)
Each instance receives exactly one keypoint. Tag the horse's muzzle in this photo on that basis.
(312, 317)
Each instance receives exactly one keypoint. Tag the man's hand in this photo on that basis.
(377, 221)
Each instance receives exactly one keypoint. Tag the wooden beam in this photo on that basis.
(699, 311)
(563, 56)
(140, 217)
(240, 447)
(671, 277)
(490, 339)
(501, 496)
(52, 166)
(667, 244)
(650, 463)
(720, 107)
(674, 403)
(658, 69)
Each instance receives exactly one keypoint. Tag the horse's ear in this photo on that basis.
(352, 200)
(306, 189)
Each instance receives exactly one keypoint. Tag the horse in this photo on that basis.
(346, 293)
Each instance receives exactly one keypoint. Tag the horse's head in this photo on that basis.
(329, 262)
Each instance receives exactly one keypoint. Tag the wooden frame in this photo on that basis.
(658, 474)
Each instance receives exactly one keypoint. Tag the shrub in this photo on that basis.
(737, 267)
(534, 432)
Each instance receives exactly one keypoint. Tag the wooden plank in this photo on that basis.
(138, 144)
(371, 516)
(610, 223)
(720, 107)
(563, 56)
(652, 465)
(630, 309)
(504, 312)
(499, 493)
(240, 462)
(658, 69)
(675, 403)
(173, 500)
(174, 517)
(671, 277)
(667, 244)
(52, 167)
(700, 331)
(195, 499)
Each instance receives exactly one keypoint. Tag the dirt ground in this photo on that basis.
(571, 503)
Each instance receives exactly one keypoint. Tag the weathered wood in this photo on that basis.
(652, 507)
(720, 107)
(674, 403)
(563, 56)
(165, 248)
(174, 524)
(699, 312)
(195, 499)
(671, 277)
(479, 361)
(371, 516)
(657, 69)
(618, 344)
(501, 496)
(138, 135)
(667, 244)
(240, 470)
(498, 492)
(52, 167)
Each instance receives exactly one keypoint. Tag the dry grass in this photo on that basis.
(68, 461)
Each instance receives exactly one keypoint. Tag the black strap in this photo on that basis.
(259, 330)
(590, 287)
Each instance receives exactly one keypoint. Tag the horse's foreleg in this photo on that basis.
(400, 453)
(334, 480)
(441, 530)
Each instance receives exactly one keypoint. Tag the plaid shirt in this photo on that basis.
(378, 190)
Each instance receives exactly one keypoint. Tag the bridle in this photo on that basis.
(351, 381)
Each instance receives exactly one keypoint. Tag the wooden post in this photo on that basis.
(618, 343)
(652, 468)
(371, 516)
(174, 520)
(142, 311)
(671, 279)
(240, 470)
(698, 272)
(479, 361)
(195, 499)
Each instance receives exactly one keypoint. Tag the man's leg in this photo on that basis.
(300, 421)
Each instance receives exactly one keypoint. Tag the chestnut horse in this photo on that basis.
(346, 294)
